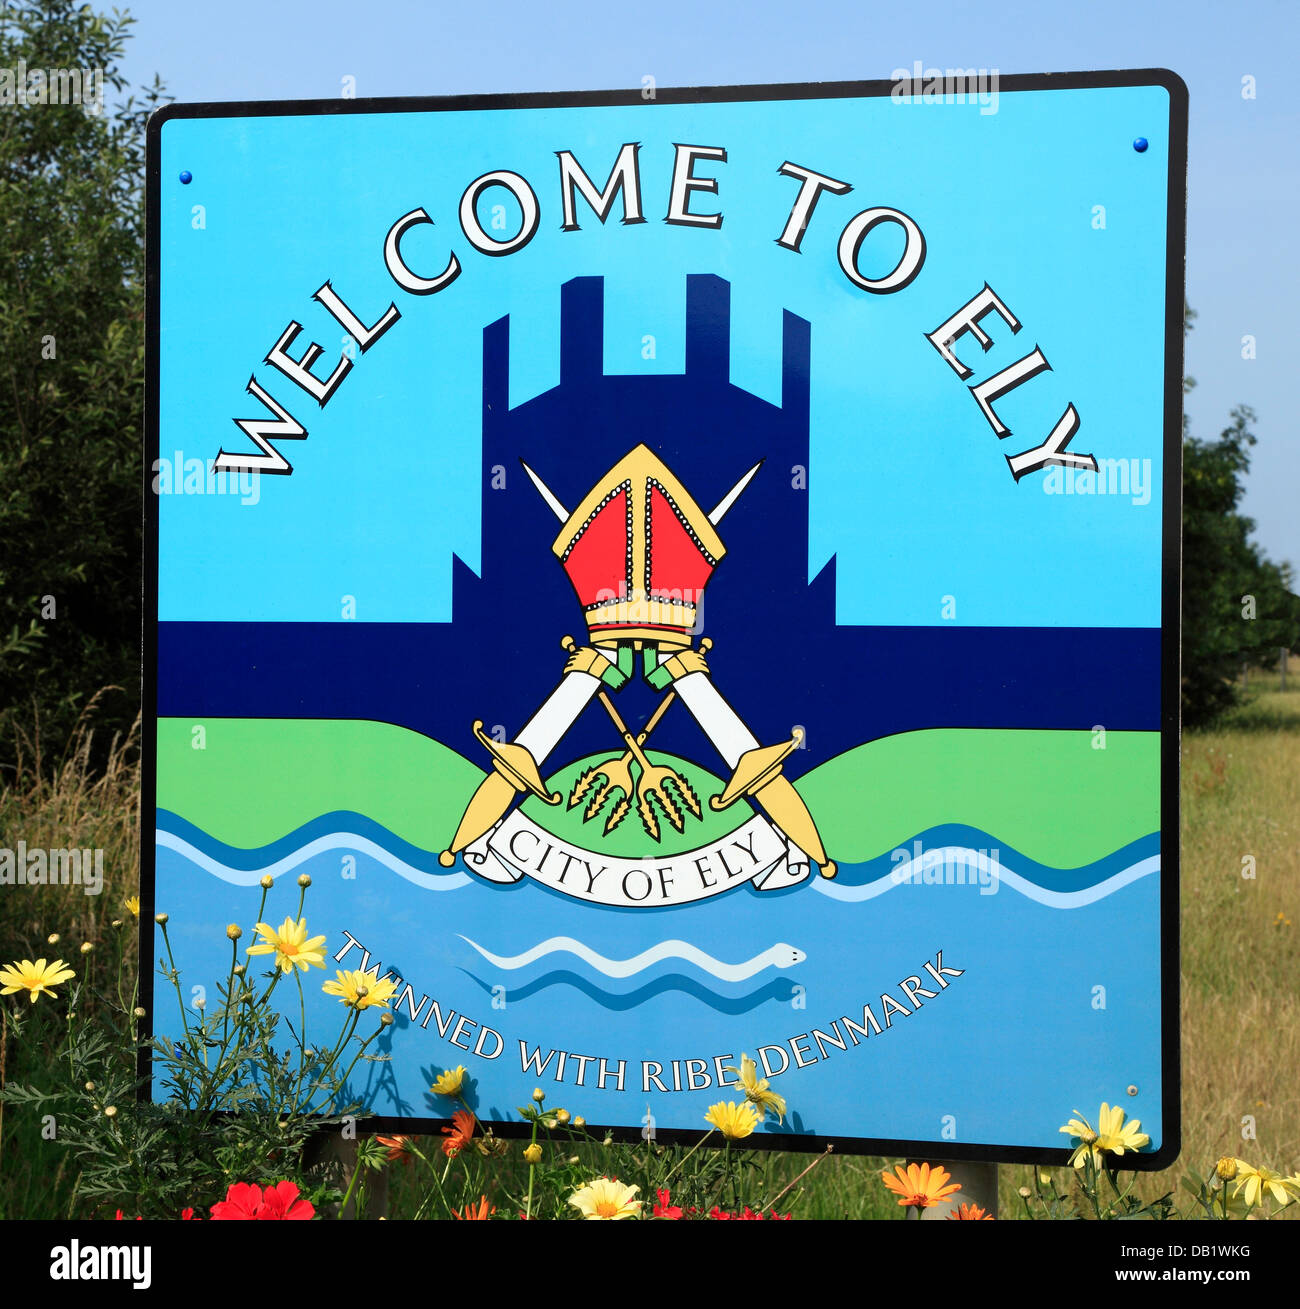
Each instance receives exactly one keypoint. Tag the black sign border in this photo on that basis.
(1171, 567)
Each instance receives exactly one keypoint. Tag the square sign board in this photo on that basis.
(689, 574)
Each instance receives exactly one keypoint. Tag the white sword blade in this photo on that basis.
(730, 498)
(545, 492)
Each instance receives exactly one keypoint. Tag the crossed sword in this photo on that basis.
(516, 764)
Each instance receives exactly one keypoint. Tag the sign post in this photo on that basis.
(690, 579)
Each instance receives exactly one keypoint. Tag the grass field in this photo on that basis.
(1240, 957)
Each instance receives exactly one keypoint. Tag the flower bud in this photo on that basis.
(87, 947)
(160, 919)
(234, 931)
(562, 1116)
(386, 1020)
(1226, 1168)
(304, 880)
(52, 939)
(1024, 1193)
(239, 970)
(140, 1012)
(538, 1094)
(117, 922)
(90, 1086)
(579, 1121)
(533, 1154)
(110, 1111)
(267, 882)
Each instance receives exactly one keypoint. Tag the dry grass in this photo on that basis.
(60, 802)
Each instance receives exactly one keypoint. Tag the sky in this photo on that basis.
(1244, 161)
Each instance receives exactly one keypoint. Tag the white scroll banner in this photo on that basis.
(755, 852)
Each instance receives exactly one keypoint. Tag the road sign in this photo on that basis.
(689, 574)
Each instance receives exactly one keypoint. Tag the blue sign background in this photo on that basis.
(957, 603)
(908, 484)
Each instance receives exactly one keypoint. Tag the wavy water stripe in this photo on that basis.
(779, 989)
(335, 823)
(1004, 876)
(779, 955)
(938, 841)
(349, 841)
(945, 837)
(251, 865)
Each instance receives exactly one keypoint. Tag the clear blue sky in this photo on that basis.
(1244, 174)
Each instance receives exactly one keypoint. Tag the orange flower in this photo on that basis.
(479, 1212)
(969, 1211)
(921, 1186)
(459, 1133)
(397, 1147)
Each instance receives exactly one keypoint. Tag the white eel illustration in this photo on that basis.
(779, 955)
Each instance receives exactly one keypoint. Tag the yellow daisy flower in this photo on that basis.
(290, 945)
(1114, 1135)
(604, 1198)
(921, 1186)
(33, 977)
(450, 1082)
(360, 990)
(756, 1089)
(1256, 1182)
(132, 903)
(734, 1121)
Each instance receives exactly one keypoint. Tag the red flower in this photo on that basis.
(476, 1212)
(747, 1215)
(121, 1217)
(969, 1212)
(245, 1200)
(187, 1214)
(459, 1133)
(398, 1147)
(664, 1209)
(283, 1201)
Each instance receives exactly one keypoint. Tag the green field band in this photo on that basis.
(1052, 795)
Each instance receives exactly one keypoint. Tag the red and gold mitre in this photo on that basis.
(638, 551)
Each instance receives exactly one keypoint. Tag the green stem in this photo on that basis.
(433, 1172)
(673, 1171)
(230, 982)
(176, 981)
(532, 1171)
(357, 1056)
(347, 1195)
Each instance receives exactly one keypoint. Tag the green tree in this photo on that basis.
(71, 377)
(1238, 607)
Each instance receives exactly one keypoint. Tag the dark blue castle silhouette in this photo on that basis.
(758, 608)
(778, 655)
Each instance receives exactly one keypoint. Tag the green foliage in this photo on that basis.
(72, 376)
(1237, 605)
(241, 1096)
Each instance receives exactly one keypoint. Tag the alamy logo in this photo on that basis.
(951, 865)
(24, 867)
(75, 1262)
(1130, 477)
(21, 85)
(946, 86)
